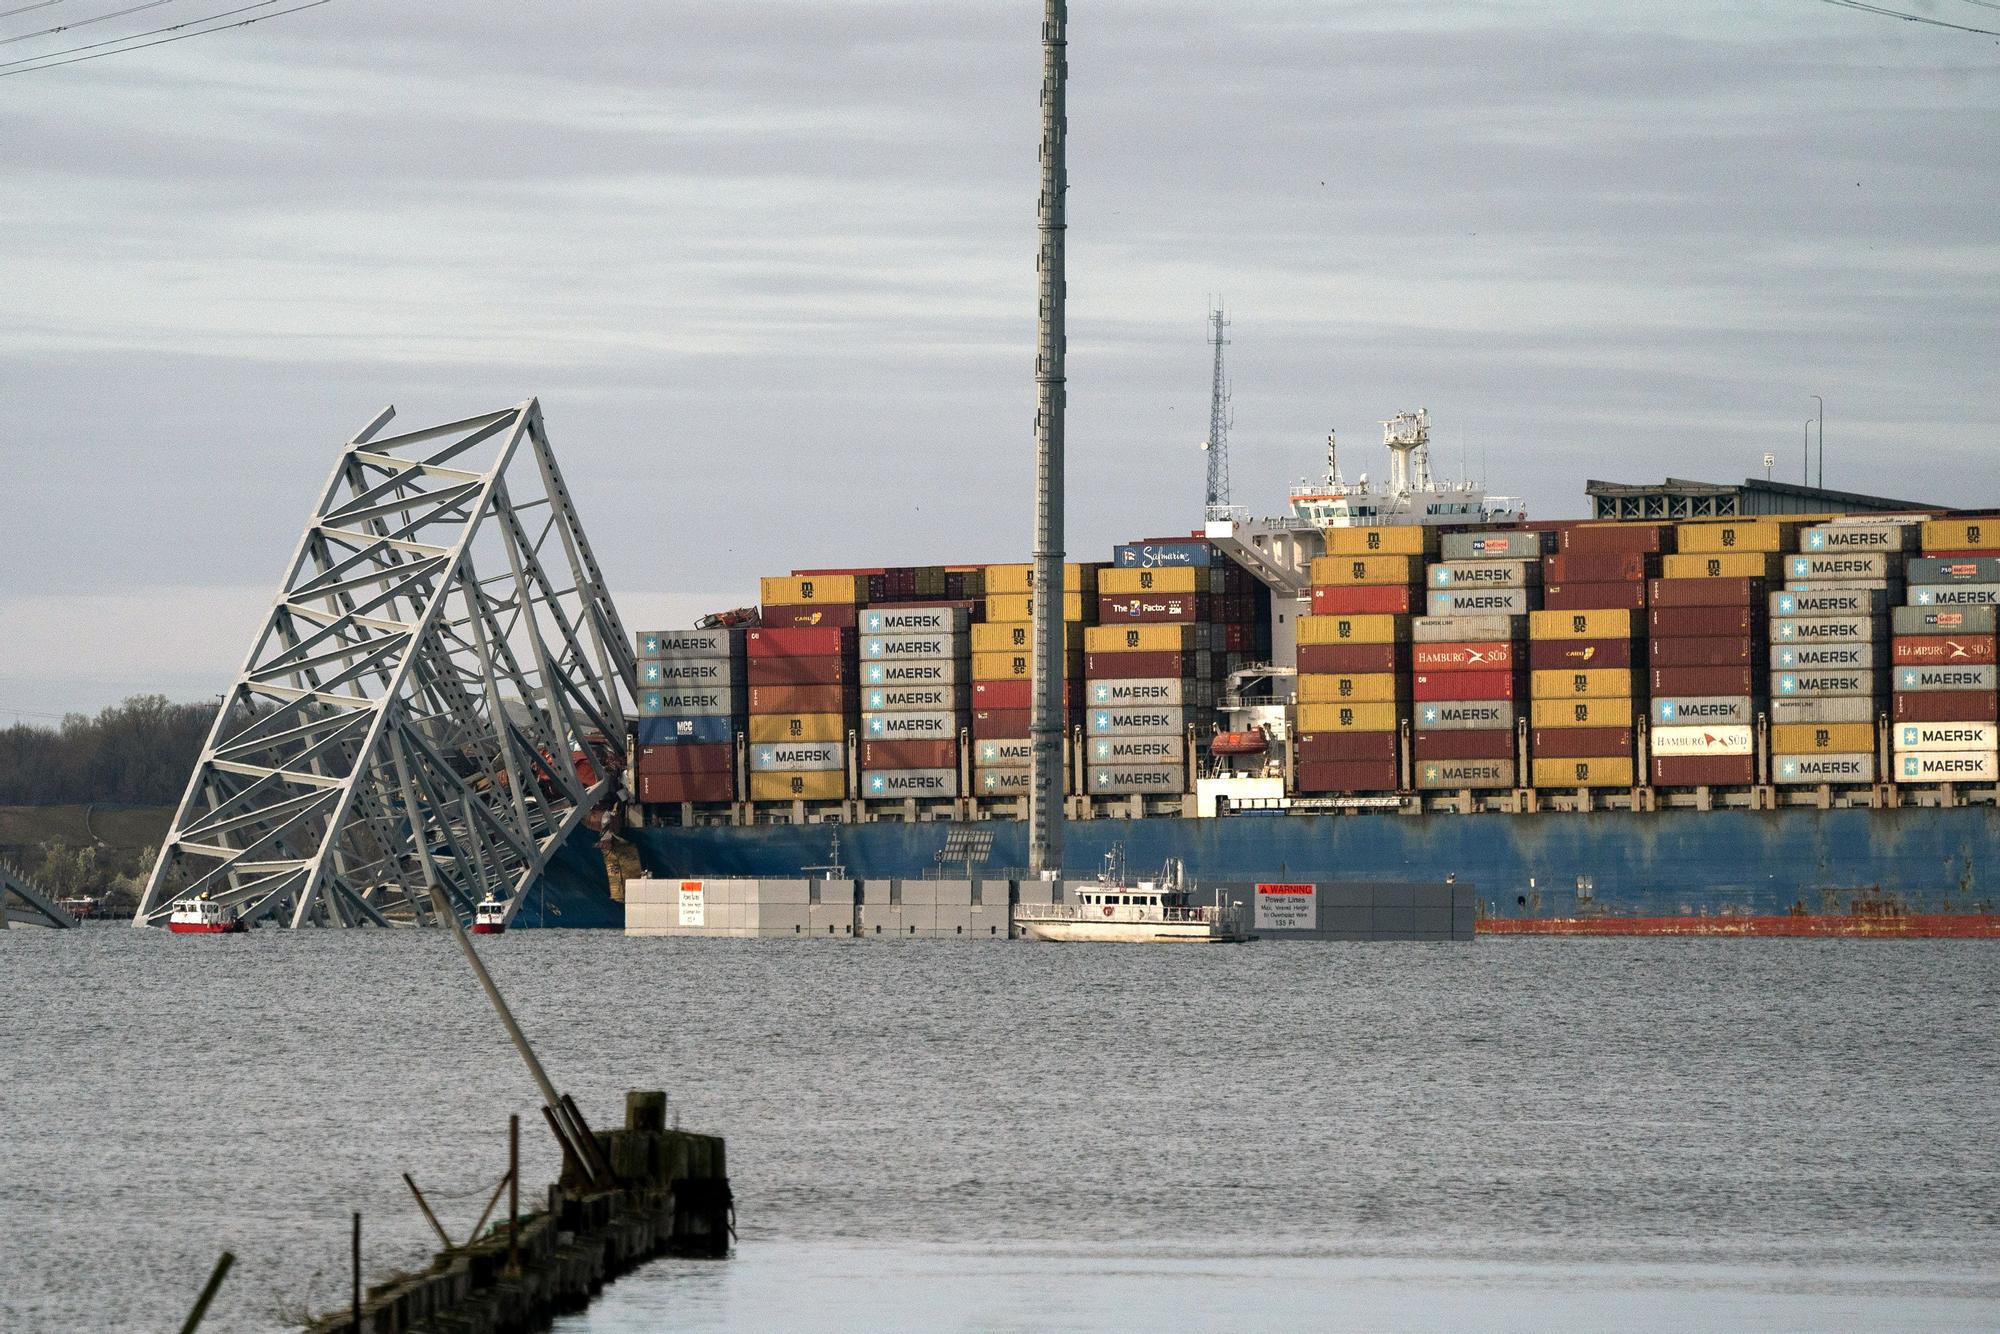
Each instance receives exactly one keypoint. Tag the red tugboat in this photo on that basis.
(205, 917)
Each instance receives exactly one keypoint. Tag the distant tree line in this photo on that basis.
(139, 753)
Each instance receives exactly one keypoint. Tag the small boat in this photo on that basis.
(205, 917)
(1238, 743)
(490, 917)
(1114, 910)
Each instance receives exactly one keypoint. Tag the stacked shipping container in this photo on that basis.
(1354, 659)
(1945, 702)
(804, 693)
(1469, 660)
(692, 700)
(1003, 673)
(1587, 654)
(916, 697)
(1151, 664)
(1829, 652)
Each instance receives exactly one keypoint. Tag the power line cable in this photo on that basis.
(47, 56)
(1910, 18)
(85, 23)
(39, 4)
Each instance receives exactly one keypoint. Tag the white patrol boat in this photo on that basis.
(1148, 912)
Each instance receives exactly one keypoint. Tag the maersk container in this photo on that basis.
(1465, 714)
(1859, 537)
(1485, 574)
(1955, 595)
(1702, 739)
(913, 644)
(1944, 678)
(1945, 736)
(1003, 782)
(690, 702)
(1682, 710)
(1111, 780)
(1947, 766)
(1835, 567)
(1481, 601)
(1704, 770)
(1830, 602)
(1812, 657)
(894, 784)
(1452, 775)
(1825, 629)
(799, 756)
(914, 620)
(1495, 655)
(928, 725)
(1954, 570)
(1944, 706)
(1468, 629)
(1825, 709)
(718, 643)
(1164, 555)
(1944, 620)
(1788, 685)
(1927, 649)
(677, 670)
(1121, 750)
(917, 672)
(670, 731)
(1133, 720)
(909, 699)
(1165, 691)
(1511, 544)
(1855, 767)
(1005, 752)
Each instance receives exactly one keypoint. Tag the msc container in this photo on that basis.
(782, 591)
(803, 699)
(657, 788)
(818, 786)
(1858, 767)
(1590, 683)
(1138, 750)
(798, 642)
(689, 702)
(1484, 744)
(915, 644)
(1826, 709)
(1785, 685)
(1599, 771)
(1379, 688)
(1947, 766)
(1021, 579)
(1408, 540)
(896, 784)
(1162, 638)
(1704, 770)
(1600, 624)
(909, 754)
(906, 699)
(1859, 537)
(1950, 677)
(1909, 649)
(1704, 592)
(1820, 738)
(1582, 713)
(1328, 570)
(1954, 570)
(1955, 595)
(1020, 607)
(1945, 736)
(1702, 739)
(1448, 775)
(1446, 715)
(1366, 599)
(1481, 602)
(1837, 567)
(1569, 743)
(1740, 651)
(1159, 555)
(1816, 657)
(1485, 574)
(1353, 629)
(1131, 720)
(800, 756)
(1618, 537)
(806, 615)
(917, 672)
(797, 727)
(1181, 580)
(1467, 629)
(1489, 656)
(1353, 776)
(1944, 706)
(1960, 534)
(1585, 597)
(1113, 609)
(1349, 717)
(1684, 709)
(1702, 622)
(1610, 567)
(1464, 685)
(1755, 535)
(1943, 620)
(685, 759)
(1829, 602)
(1345, 747)
(1019, 637)
(673, 731)
(680, 671)
(1111, 780)
(1513, 544)
(1730, 565)
(1570, 654)
(1122, 666)
(718, 643)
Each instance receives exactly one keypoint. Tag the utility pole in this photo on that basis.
(1217, 444)
(1047, 720)
(1822, 437)
(1805, 478)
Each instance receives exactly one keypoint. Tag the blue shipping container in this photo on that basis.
(667, 731)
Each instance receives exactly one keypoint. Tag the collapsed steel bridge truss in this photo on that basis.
(438, 694)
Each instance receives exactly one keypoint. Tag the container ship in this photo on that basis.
(1757, 709)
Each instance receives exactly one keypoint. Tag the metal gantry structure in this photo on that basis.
(21, 902)
(438, 695)
(1217, 444)
(1046, 718)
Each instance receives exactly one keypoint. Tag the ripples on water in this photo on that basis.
(1504, 1134)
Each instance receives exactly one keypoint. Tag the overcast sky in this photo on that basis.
(769, 267)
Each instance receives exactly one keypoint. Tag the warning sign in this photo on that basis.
(1287, 908)
(694, 909)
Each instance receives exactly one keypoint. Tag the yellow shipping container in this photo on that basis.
(1021, 578)
(1766, 535)
(830, 785)
(1596, 683)
(1007, 636)
(1583, 712)
(791, 590)
(1602, 623)
(1366, 688)
(1171, 579)
(1609, 771)
(1961, 534)
(1159, 637)
(1351, 570)
(1826, 738)
(1349, 718)
(1353, 629)
(1723, 565)
(1019, 667)
(1021, 607)
(1412, 539)
(798, 727)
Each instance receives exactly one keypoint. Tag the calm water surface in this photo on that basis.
(1507, 1135)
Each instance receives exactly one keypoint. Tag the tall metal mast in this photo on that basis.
(1046, 722)
(1217, 444)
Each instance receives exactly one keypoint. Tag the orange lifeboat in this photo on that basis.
(1238, 743)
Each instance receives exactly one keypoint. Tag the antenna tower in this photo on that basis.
(1217, 444)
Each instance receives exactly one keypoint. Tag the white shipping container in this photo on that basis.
(718, 643)
(1123, 750)
(1136, 720)
(1464, 574)
(689, 702)
(1467, 629)
(1815, 657)
(1944, 678)
(1947, 766)
(1482, 601)
(1125, 779)
(1786, 685)
(913, 644)
(1164, 691)
(913, 620)
(1825, 629)
(1722, 739)
(1830, 602)
(798, 757)
(1464, 715)
(895, 784)
(1945, 736)
(1448, 775)
(1853, 536)
(685, 671)
(1832, 709)
(1858, 767)
(1954, 595)
(910, 698)
(1709, 710)
(1010, 753)
(917, 672)
(928, 725)
(1836, 566)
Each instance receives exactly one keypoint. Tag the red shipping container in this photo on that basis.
(805, 615)
(1346, 747)
(1597, 567)
(1629, 596)
(1947, 706)
(1351, 659)
(1743, 650)
(1547, 655)
(1704, 770)
(1148, 607)
(1019, 694)
(1579, 743)
(799, 642)
(1706, 592)
(1125, 666)
(1683, 681)
(687, 787)
(799, 671)
(1493, 655)
(909, 754)
(1970, 650)
(1622, 539)
(804, 699)
(989, 724)
(1485, 744)
(1703, 622)
(1467, 685)
(1366, 599)
(706, 757)
(1361, 776)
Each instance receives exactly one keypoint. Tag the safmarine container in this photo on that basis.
(1158, 555)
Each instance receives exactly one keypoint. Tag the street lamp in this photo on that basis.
(1822, 437)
